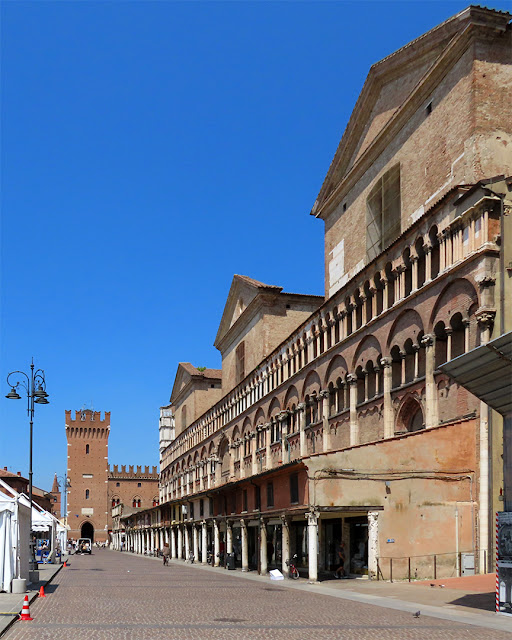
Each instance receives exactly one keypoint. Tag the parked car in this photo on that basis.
(84, 546)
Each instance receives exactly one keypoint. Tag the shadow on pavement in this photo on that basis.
(484, 601)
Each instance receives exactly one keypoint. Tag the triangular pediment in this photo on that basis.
(243, 291)
(187, 373)
(389, 87)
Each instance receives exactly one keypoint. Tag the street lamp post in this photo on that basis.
(35, 387)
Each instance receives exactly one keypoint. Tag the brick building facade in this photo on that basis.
(93, 487)
(341, 426)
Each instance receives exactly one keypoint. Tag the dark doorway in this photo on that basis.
(87, 531)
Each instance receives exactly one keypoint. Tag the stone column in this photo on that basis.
(427, 248)
(268, 456)
(326, 431)
(354, 427)
(187, 542)
(282, 416)
(285, 545)
(179, 550)
(373, 543)
(441, 237)
(385, 304)
(312, 518)
(414, 273)
(216, 544)
(416, 349)
(204, 542)
(303, 449)
(195, 542)
(485, 321)
(201, 475)
(254, 454)
(245, 546)
(403, 355)
(173, 542)
(431, 410)
(449, 332)
(263, 548)
(229, 537)
(389, 415)
(231, 460)
(466, 324)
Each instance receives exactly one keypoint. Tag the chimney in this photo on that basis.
(19, 473)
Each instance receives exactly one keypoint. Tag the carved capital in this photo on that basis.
(324, 394)
(485, 317)
(428, 340)
(486, 281)
(352, 378)
(386, 362)
(301, 406)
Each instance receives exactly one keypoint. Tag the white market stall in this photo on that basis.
(14, 537)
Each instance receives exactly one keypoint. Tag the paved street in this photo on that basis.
(110, 596)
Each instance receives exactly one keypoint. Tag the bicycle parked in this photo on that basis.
(293, 572)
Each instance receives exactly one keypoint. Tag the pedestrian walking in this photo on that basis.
(341, 557)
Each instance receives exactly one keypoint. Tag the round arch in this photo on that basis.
(87, 530)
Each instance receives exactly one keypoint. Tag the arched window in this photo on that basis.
(87, 449)
(87, 494)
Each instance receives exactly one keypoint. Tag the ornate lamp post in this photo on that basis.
(35, 387)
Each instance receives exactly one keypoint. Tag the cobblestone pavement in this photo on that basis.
(114, 596)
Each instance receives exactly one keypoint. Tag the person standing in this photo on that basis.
(341, 558)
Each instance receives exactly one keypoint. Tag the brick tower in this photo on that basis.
(87, 436)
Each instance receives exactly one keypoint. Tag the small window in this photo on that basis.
(139, 484)
(87, 449)
(87, 494)
(191, 510)
(270, 494)
(294, 488)
(118, 484)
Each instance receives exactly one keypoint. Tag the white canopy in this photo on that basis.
(14, 536)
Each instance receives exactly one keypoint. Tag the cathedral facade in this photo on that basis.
(331, 421)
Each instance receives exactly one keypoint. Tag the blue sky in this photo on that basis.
(150, 150)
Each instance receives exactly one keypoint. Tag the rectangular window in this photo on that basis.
(139, 484)
(383, 213)
(240, 362)
(244, 496)
(257, 498)
(233, 503)
(294, 488)
(270, 494)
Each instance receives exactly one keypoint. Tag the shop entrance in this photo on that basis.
(87, 531)
(358, 545)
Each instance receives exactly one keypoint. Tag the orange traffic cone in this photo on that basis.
(25, 612)
(65, 563)
(41, 592)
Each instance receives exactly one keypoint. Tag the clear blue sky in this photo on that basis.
(150, 150)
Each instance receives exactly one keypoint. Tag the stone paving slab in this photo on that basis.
(11, 604)
(119, 596)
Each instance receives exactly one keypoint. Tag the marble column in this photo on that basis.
(326, 431)
(373, 543)
(179, 550)
(195, 542)
(285, 545)
(354, 426)
(312, 518)
(263, 548)
(216, 544)
(173, 542)
(303, 449)
(245, 546)
(204, 542)
(431, 409)
(389, 415)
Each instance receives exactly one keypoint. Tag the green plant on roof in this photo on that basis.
(201, 368)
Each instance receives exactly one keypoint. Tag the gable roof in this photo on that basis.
(243, 290)
(186, 372)
(425, 58)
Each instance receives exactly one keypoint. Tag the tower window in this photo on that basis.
(87, 449)
(139, 484)
(87, 494)
(118, 484)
